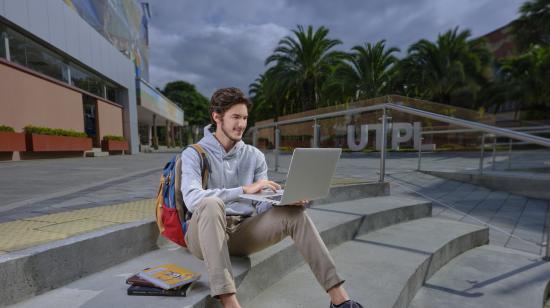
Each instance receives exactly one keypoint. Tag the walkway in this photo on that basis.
(515, 221)
(44, 187)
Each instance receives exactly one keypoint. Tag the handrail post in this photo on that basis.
(494, 152)
(277, 141)
(316, 131)
(419, 152)
(510, 154)
(254, 137)
(482, 150)
(547, 255)
(383, 146)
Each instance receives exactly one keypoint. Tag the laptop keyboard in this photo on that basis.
(275, 198)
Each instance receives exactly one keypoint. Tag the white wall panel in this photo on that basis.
(84, 43)
(112, 53)
(71, 29)
(38, 19)
(95, 41)
(120, 70)
(56, 25)
(2, 7)
(103, 48)
(54, 22)
(16, 12)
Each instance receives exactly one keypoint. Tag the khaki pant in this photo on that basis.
(211, 236)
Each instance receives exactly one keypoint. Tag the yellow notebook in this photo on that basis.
(169, 276)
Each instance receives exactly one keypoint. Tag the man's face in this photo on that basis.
(233, 122)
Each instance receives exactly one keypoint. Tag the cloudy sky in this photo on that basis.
(215, 44)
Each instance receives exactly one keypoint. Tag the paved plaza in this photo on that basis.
(514, 221)
(40, 187)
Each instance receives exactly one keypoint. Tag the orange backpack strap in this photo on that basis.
(158, 203)
(205, 166)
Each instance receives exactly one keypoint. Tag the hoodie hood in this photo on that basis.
(216, 149)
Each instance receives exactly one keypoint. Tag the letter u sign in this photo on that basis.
(363, 138)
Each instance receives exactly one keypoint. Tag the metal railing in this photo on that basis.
(471, 126)
(530, 129)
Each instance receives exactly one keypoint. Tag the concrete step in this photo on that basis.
(382, 269)
(337, 222)
(488, 276)
(95, 152)
(527, 184)
(130, 241)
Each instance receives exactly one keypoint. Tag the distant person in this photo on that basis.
(222, 224)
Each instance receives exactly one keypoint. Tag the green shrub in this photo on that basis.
(29, 129)
(113, 137)
(286, 149)
(4, 128)
(450, 147)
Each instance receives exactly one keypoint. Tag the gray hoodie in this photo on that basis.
(242, 165)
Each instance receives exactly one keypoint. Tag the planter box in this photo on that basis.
(47, 143)
(114, 145)
(11, 142)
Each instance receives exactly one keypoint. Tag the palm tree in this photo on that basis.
(526, 79)
(533, 25)
(368, 71)
(258, 98)
(452, 65)
(302, 64)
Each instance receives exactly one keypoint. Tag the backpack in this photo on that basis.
(171, 212)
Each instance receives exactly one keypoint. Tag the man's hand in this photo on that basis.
(258, 186)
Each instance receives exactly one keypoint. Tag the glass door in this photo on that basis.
(90, 119)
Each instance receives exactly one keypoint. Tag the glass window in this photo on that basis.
(65, 72)
(111, 93)
(79, 78)
(2, 41)
(30, 53)
(86, 80)
(34, 56)
(18, 47)
(44, 61)
(95, 85)
(2, 44)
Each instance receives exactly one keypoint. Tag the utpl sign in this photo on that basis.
(400, 133)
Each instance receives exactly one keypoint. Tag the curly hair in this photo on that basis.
(225, 98)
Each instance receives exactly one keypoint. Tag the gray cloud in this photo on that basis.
(225, 43)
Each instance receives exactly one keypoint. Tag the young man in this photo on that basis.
(222, 224)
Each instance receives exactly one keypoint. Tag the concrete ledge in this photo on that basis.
(88, 253)
(355, 191)
(488, 276)
(384, 268)
(32, 271)
(449, 250)
(534, 187)
(252, 274)
(344, 221)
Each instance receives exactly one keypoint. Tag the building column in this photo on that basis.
(167, 134)
(173, 134)
(149, 135)
(155, 141)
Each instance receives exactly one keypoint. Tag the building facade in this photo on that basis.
(63, 67)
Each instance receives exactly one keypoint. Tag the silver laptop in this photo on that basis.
(308, 178)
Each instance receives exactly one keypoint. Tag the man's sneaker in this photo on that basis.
(347, 304)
